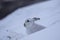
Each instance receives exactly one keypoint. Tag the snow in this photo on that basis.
(51, 33)
(49, 13)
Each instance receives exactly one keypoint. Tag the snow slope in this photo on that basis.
(52, 33)
(48, 11)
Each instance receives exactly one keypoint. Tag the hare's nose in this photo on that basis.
(24, 25)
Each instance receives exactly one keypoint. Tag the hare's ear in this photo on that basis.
(35, 18)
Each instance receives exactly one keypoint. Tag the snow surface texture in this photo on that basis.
(10, 35)
(31, 26)
(48, 11)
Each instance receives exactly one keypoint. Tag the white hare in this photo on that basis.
(31, 26)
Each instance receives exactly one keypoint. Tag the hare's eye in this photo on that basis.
(28, 21)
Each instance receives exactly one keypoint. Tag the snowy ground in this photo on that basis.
(48, 11)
